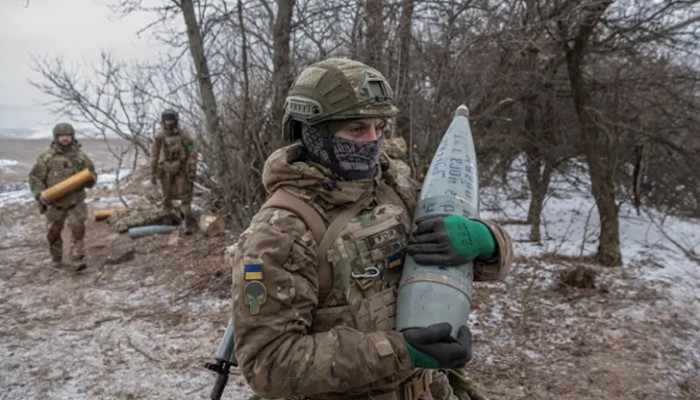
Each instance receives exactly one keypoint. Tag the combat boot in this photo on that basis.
(56, 262)
(190, 224)
(168, 219)
(78, 264)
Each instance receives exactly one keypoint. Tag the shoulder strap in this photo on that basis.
(287, 201)
(324, 237)
(387, 194)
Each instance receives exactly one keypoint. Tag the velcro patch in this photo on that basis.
(381, 343)
(253, 272)
(394, 260)
(255, 296)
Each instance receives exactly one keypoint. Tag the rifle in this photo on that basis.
(225, 358)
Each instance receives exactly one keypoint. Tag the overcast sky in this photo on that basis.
(75, 29)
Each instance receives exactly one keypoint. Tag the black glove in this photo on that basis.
(40, 204)
(434, 348)
(92, 182)
(450, 240)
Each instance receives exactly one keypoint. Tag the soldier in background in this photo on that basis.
(315, 274)
(174, 164)
(63, 159)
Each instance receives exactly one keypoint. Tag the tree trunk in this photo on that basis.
(533, 87)
(282, 64)
(538, 179)
(374, 40)
(533, 155)
(356, 33)
(246, 78)
(402, 86)
(206, 89)
(601, 173)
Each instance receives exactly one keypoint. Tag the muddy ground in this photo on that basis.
(144, 328)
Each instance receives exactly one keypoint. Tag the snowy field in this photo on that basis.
(647, 312)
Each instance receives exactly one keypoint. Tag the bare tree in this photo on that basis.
(538, 68)
(601, 164)
(401, 82)
(374, 37)
(111, 98)
(209, 105)
(530, 74)
(282, 64)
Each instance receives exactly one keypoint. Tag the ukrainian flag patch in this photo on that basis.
(253, 272)
(394, 260)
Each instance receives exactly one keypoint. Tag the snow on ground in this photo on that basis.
(15, 193)
(108, 179)
(108, 202)
(645, 314)
(134, 330)
(6, 165)
(653, 245)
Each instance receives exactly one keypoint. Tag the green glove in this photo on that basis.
(433, 347)
(450, 240)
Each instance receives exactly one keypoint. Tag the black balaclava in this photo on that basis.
(349, 159)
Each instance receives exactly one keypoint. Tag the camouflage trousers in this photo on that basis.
(446, 384)
(430, 385)
(55, 220)
(176, 186)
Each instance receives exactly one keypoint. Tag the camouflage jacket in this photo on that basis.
(57, 164)
(173, 152)
(290, 342)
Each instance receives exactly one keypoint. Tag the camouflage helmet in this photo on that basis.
(169, 114)
(63, 129)
(336, 89)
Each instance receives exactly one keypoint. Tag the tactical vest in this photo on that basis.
(359, 255)
(359, 252)
(173, 152)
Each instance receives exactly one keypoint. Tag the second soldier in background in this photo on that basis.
(174, 164)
